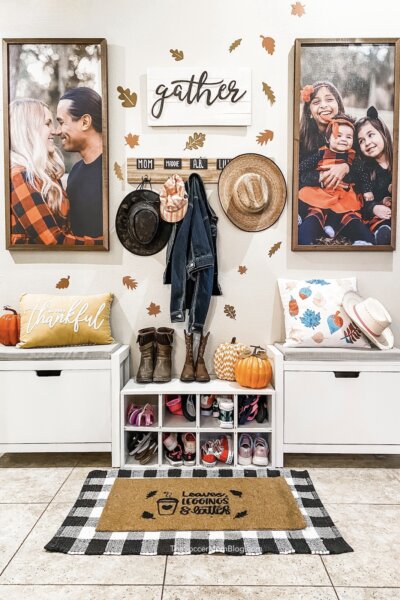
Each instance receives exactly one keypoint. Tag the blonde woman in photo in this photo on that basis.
(39, 205)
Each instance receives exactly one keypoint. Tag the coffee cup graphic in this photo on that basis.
(167, 506)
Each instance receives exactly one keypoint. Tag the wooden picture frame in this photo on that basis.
(359, 213)
(56, 184)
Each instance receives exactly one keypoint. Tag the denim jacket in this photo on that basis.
(192, 266)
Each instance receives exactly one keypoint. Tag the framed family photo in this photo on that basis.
(346, 104)
(55, 144)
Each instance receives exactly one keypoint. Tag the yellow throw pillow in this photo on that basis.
(65, 320)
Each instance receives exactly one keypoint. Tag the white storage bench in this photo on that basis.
(62, 399)
(332, 400)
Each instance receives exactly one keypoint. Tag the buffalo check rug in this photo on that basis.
(78, 535)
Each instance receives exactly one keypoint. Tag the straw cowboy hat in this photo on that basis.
(371, 317)
(252, 191)
(138, 223)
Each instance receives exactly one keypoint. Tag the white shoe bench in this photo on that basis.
(333, 400)
(62, 399)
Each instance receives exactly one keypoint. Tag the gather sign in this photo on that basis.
(195, 96)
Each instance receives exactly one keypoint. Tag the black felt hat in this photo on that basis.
(139, 226)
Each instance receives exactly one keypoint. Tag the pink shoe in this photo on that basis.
(170, 440)
(145, 418)
(245, 452)
(174, 405)
(132, 413)
(260, 453)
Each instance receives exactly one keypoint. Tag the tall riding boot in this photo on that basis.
(146, 338)
(202, 375)
(162, 370)
(188, 368)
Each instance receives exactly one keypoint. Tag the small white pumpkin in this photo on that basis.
(226, 357)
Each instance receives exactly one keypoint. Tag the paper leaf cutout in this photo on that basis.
(132, 140)
(153, 309)
(268, 92)
(242, 269)
(118, 171)
(63, 283)
(265, 136)
(195, 141)
(230, 311)
(235, 44)
(128, 99)
(274, 249)
(130, 283)
(177, 54)
(268, 43)
(298, 9)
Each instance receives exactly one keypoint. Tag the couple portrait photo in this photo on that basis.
(345, 150)
(56, 147)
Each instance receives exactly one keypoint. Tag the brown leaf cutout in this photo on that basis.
(274, 249)
(298, 9)
(195, 141)
(268, 92)
(268, 43)
(177, 54)
(235, 44)
(130, 283)
(128, 99)
(265, 136)
(153, 309)
(242, 269)
(63, 283)
(230, 311)
(132, 140)
(118, 171)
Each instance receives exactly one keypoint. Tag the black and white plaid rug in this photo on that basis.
(78, 535)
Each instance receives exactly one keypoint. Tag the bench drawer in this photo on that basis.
(48, 407)
(321, 408)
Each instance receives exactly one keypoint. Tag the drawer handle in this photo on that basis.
(48, 373)
(347, 374)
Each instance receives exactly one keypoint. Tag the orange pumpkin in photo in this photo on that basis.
(9, 328)
(253, 370)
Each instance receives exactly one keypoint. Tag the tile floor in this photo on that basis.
(362, 494)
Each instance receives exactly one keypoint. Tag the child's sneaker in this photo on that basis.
(223, 449)
(175, 457)
(189, 407)
(245, 452)
(208, 458)
(215, 408)
(206, 405)
(170, 440)
(189, 449)
(260, 452)
(225, 416)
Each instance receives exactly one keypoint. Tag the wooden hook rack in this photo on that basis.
(159, 169)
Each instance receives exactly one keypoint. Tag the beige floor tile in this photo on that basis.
(368, 593)
(364, 569)
(38, 460)
(246, 570)
(248, 593)
(330, 461)
(72, 486)
(31, 485)
(77, 592)
(32, 564)
(16, 521)
(357, 486)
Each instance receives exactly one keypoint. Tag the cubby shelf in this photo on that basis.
(204, 427)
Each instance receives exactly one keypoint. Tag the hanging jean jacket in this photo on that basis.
(192, 268)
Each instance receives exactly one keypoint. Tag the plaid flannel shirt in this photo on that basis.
(32, 221)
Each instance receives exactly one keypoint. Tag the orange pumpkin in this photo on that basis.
(254, 370)
(9, 328)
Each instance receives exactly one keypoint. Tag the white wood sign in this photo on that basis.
(198, 96)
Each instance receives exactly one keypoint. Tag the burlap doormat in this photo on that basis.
(200, 505)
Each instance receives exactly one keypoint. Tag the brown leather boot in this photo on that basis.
(188, 368)
(146, 338)
(162, 370)
(202, 375)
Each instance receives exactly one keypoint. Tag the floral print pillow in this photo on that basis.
(314, 315)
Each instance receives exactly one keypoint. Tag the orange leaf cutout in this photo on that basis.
(130, 283)
(265, 136)
(274, 249)
(128, 99)
(118, 171)
(230, 311)
(132, 140)
(298, 9)
(242, 269)
(177, 54)
(63, 283)
(153, 309)
(268, 92)
(235, 44)
(268, 43)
